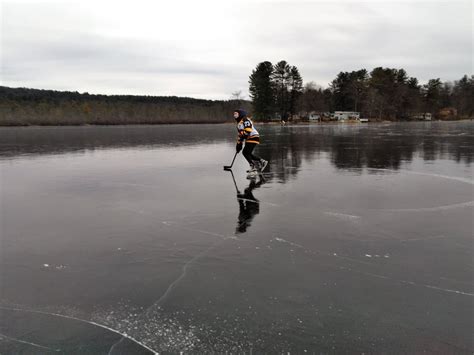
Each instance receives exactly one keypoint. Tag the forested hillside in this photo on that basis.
(23, 106)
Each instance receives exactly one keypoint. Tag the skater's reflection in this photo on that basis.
(249, 206)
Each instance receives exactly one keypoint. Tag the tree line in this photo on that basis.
(383, 93)
(24, 106)
(275, 90)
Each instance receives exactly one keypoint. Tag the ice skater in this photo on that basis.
(249, 134)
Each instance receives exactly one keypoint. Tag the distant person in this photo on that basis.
(249, 134)
(284, 118)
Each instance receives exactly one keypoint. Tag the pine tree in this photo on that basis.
(261, 91)
(463, 96)
(432, 95)
(296, 88)
(280, 80)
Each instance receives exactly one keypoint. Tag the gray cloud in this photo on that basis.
(78, 48)
(428, 40)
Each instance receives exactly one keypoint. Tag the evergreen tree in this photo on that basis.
(296, 88)
(463, 96)
(357, 88)
(432, 95)
(413, 101)
(383, 87)
(446, 93)
(261, 90)
(280, 79)
(339, 88)
(350, 90)
(400, 93)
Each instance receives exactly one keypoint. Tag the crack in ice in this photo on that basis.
(185, 267)
(124, 335)
(372, 274)
(436, 208)
(27, 342)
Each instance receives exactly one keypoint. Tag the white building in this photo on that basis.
(313, 116)
(425, 116)
(346, 115)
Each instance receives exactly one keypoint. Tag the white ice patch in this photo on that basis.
(423, 239)
(57, 267)
(343, 216)
(432, 209)
(281, 240)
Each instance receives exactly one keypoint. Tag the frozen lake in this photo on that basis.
(126, 240)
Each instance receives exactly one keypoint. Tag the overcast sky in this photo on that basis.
(208, 49)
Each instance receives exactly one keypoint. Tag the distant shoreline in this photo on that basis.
(299, 123)
(24, 107)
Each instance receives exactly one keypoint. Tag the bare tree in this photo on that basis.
(237, 96)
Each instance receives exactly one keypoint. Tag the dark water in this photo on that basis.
(359, 239)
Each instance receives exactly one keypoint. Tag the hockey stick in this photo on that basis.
(228, 167)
